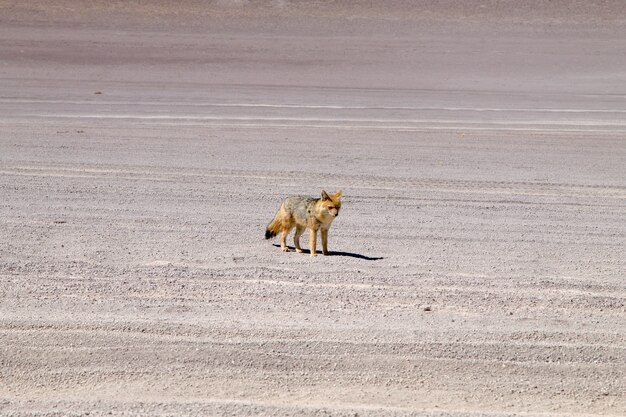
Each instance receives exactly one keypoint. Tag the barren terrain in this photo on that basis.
(477, 264)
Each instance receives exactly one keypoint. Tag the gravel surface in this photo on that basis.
(477, 265)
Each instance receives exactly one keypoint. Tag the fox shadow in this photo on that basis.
(335, 253)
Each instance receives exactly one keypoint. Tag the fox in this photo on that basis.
(305, 212)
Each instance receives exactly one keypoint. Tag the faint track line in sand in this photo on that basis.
(313, 106)
(180, 333)
(356, 123)
(369, 182)
(557, 285)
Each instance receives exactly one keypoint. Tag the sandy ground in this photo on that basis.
(477, 266)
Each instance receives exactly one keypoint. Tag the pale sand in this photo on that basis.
(478, 263)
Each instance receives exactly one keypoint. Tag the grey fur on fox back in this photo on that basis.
(305, 212)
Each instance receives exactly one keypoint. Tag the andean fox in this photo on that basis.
(305, 212)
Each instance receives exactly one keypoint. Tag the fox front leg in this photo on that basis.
(324, 241)
(313, 239)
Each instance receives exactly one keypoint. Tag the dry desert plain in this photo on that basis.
(477, 264)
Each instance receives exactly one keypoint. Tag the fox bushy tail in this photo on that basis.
(273, 228)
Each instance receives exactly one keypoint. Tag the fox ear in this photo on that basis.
(337, 195)
(325, 196)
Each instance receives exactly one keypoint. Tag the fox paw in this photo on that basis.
(299, 250)
(285, 249)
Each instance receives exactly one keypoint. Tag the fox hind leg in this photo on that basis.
(296, 237)
(283, 239)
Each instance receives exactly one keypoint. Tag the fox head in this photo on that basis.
(331, 203)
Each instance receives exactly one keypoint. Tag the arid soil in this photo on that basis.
(477, 264)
